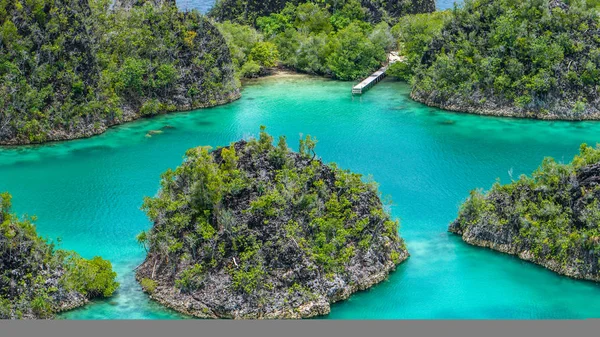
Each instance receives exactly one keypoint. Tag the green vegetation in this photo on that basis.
(553, 215)
(414, 34)
(249, 12)
(532, 58)
(71, 69)
(239, 218)
(37, 281)
(341, 39)
(148, 285)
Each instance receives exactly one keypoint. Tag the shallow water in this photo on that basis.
(89, 192)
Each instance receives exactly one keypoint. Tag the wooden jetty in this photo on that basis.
(377, 76)
(369, 82)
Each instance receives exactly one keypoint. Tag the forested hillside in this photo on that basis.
(72, 68)
(345, 40)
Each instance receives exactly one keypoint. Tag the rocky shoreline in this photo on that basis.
(189, 305)
(37, 281)
(549, 218)
(571, 269)
(95, 130)
(559, 114)
(104, 83)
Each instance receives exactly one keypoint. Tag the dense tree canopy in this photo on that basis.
(374, 11)
(314, 38)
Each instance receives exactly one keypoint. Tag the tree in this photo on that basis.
(265, 54)
(354, 55)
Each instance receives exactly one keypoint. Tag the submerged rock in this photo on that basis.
(257, 231)
(153, 133)
(551, 219)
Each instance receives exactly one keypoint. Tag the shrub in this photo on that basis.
(94, 278)
(148, 285)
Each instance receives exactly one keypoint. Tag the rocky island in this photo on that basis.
(533, 59)
(551, 218)
(72, 68)
(254, 230)
(37, 281)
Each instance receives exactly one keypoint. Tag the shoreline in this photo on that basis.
(283, 73)
(186, 304)
(527, 256)
(65, 137)
(505, 112)
(59, 136)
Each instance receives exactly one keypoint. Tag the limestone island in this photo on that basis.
(73, 68)
(528, 59)
(551, 218)
(254, 231)
(37, 281)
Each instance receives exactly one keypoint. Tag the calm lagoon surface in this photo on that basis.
(88, 193)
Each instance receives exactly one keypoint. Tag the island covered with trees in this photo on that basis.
(38, 281)
(531, 58)
(551, 218)
(254, 230)
(72, 68)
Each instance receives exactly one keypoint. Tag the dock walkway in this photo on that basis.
(377, 76)
(369, 81)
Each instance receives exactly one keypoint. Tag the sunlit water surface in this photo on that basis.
(89, 192)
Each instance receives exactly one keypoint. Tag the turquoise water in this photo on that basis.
(88, 192)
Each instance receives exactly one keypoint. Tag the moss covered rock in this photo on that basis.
(258, 231)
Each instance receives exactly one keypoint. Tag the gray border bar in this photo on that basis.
(299, 328)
